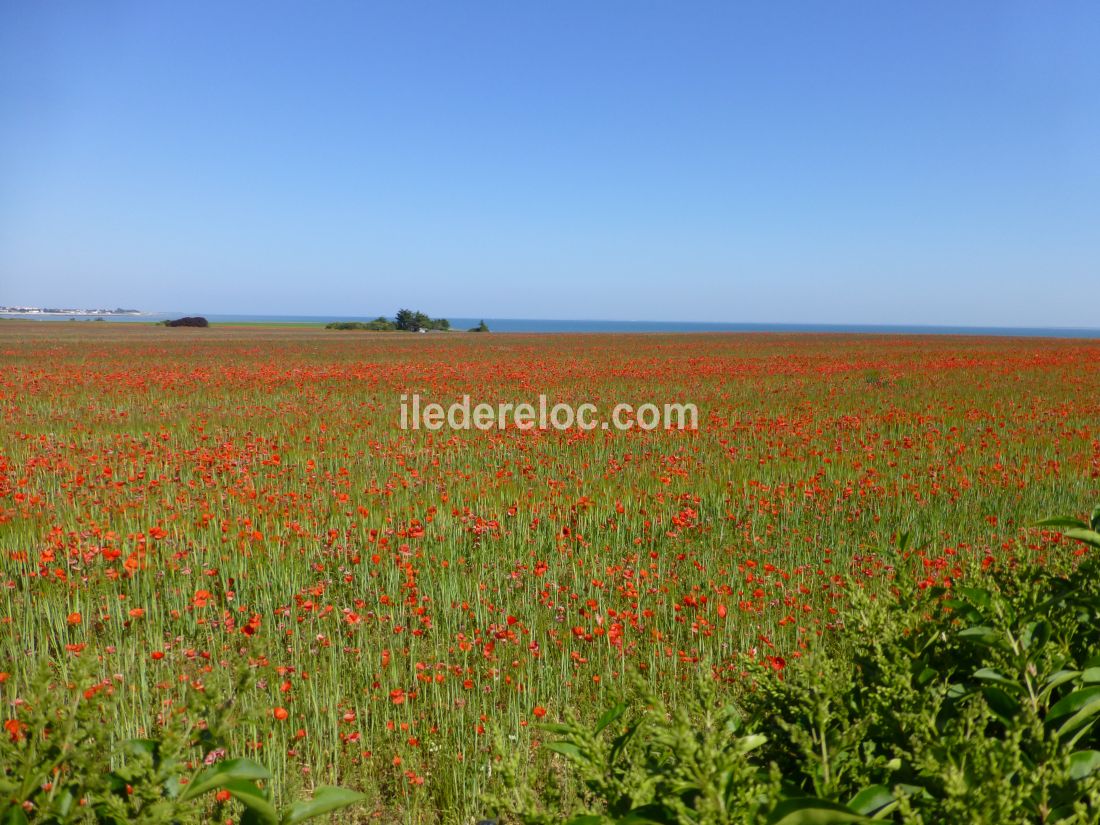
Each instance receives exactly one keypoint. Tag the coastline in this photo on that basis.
(565, 326)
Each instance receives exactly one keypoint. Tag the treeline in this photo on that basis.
(406, 320)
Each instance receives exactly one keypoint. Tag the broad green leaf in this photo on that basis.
(987, 674)
(645, 815)
(1083, 763)
(228, 771)
(1036, 635)
(1072, 703)
(926, 675)
(14, 815)
(610, 716)
(622, 739)
(750, 742)
(1094, 518)
(1080, 706)
(1061, 812)
(1060, 678)
(981, 635)
(978, 596)
(958, 691)
(62, 806)
(904, 541)
(325, 800)
(1091, 675)
(567, 749)
(870, 800)
(248, 794)
(1080, 718)
(1089, 537)
(1000, 702)
(1061, 521)
(812, 811)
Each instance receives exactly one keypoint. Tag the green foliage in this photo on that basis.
(649, 765)
(481, 327)
(379, 324)
(47, 751)
(978, 703)
(406, 320)
(410, 321)
(1086, 532)
(58, 742)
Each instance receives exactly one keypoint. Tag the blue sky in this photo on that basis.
(836, 162)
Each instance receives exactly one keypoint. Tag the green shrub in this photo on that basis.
(977, 704)
(379, 324)
(57, 751)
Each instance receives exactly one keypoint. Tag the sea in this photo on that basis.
(540, 325)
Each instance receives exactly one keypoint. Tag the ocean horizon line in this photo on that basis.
(604, 325)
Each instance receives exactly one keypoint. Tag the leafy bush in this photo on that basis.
(415, 321)
(379, 324)
(405, 320)
(57, 744)
(974, 704)
(696, 764)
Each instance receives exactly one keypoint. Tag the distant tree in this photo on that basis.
(377, 325)
(189, 321)
(406, 320)
(415, 321)
(482, 327)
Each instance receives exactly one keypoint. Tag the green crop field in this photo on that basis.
(236, 513)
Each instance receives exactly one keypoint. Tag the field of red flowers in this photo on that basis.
(176, 505)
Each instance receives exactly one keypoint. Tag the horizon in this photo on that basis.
(928, 165)
(677, 325)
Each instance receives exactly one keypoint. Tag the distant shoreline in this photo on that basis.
(9, 312)
(522, 325)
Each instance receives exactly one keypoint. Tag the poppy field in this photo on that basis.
(181, 507)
